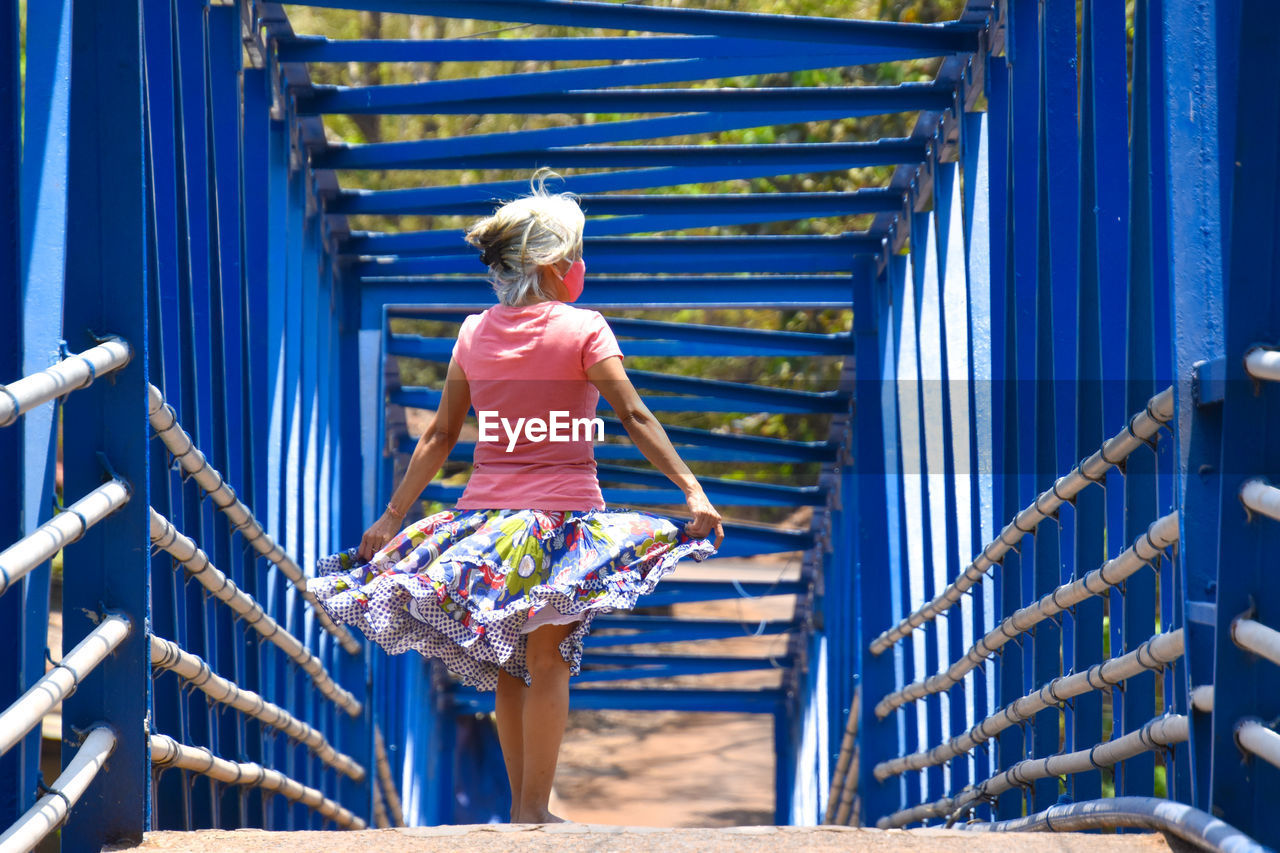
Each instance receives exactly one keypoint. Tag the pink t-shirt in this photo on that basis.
(530, 362)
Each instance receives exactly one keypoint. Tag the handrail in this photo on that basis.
(1160, 732)
(1256, 739)
(41, 544)
(176, 440)
(1162, 533)
(1190, 824)
(168, 655)
(1153, 654)
(52, 809)
(167, 752)
(61, 681)
(1263, 363)
(1141, 428)
(165, 536)
(1261, 497)
(1257, 638)
(844, 781)
(71, 374)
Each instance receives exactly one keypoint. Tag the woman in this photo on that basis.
(504, 587)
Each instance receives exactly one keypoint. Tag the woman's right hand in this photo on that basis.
(705, 518)
(378, 535)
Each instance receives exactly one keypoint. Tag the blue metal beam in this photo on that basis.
(729, 701)
(481, 198)
(801, 156)
(806, 29)
(640, 213)
(772, 400)
(782, 103)
(640, 255)
(778, 292)
(321, 49)
(463, 452)
(423, 96)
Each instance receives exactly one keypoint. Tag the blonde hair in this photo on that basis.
(539, 229)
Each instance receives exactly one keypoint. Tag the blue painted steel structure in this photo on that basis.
(1086, 214)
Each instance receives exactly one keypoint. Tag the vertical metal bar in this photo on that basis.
(11, 319)
(107, 292)
(875, 557)
(1191, 95)
(42, 218)
(927, 385)
(907, 386)
(1102, 32)
(1243, 790)
(1135, 706)
(959, 462)
(975, 141)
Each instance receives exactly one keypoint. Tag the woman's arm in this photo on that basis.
(433, 449)
(610, 377)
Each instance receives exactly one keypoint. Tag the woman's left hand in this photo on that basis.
(378, 535)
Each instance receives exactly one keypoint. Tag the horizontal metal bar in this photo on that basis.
(768, 701)
(66, 527)
(1261, 497)
(1161, 732)
(61, 681)
(52, 808)
(611, 16)
(1141, 428)
(71, 374)
(167, 752)
(678, 255)
(1263, 363)
(165, 422)
(1155, 653)
(1259, 741)
(638, 213)
(440, 350)
(797, 495)
(693, 667)
(196, 563)
(422, 151)
(673, 591)
(786, 104)
(1160, 535)
(718, 627)
(168, 655)
(800, 156)
(762, 448)
(1200, 830)
(1256, 638)
(424, 94)
(777, 292)
(464, 450)
(677, 662)
(584, 48)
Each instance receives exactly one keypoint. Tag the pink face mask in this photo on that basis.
(574, 279)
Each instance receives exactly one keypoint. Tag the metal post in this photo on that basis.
(107, 280)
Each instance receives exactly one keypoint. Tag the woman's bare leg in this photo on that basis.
(509, 706)
(546, 709)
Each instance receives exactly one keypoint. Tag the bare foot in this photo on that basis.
(538, 817)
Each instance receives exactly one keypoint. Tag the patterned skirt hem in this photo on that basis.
(403, 613)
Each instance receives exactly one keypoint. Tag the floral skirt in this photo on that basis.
(461, 585)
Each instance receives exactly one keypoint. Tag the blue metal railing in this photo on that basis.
(1070, 280)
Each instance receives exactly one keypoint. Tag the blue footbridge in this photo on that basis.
(1038, 531)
